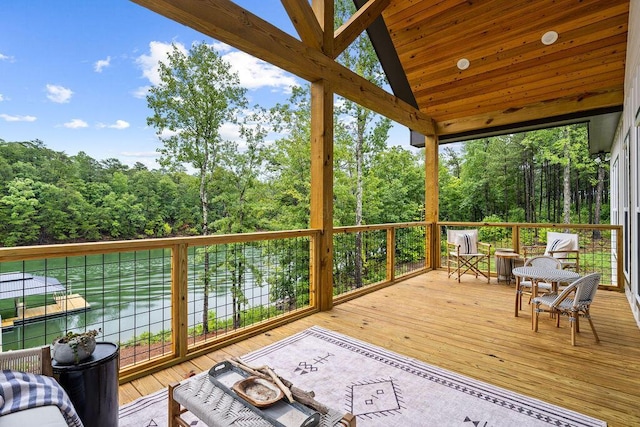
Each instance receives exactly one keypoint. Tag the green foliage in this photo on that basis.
(520, 178)
(493, 234)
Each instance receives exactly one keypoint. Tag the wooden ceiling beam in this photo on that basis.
(229, 23)
(558, 107)
(305, 22)
(359, 21)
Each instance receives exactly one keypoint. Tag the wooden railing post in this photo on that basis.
(391, 253)
(515, 238)
(314, 269)
(179, 293)
(620, 277)
(321, 215)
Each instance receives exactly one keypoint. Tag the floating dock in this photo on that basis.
(64, 304)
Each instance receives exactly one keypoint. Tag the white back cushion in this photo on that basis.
(467, 243)
(559, 242)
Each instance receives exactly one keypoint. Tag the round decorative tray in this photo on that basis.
(258, 391)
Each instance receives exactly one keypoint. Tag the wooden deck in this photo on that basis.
(470, 328)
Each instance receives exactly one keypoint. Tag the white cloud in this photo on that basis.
(119, 124)
(166, 133)
(76, 124)
(141, 92)
(1, 97)
(221, 47)
(157, 53)
(255, 73)
(59, 94)
(9, 118)
(6, 58)
(102, 63)
(230, 131)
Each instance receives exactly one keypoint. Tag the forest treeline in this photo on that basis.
(48, 196)
(543, 176)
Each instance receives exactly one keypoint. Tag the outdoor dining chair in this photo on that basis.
(525, 286)
(574, 301)
(465, 254)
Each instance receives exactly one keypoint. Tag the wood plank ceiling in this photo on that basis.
(512, 76)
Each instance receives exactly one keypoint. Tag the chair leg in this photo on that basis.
(572, 320)
(534, 317)
(518, 301)
(593, 328)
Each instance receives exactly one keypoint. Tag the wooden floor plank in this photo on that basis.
(470, 328)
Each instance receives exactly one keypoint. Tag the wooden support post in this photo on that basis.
(179, 308)
(431, 207)
(324, 10)
(322, 192)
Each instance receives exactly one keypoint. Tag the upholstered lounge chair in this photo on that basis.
(36, 361)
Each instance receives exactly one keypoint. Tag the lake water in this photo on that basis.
(129, 294)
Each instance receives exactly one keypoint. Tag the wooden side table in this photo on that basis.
(92, 385)
(505, 261)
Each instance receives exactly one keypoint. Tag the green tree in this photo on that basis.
(289, 165)
(19, 213)
(197, 94)
(364, 132)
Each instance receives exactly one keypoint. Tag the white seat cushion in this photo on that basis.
(42, 416)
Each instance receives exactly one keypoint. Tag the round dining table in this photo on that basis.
(539, 274)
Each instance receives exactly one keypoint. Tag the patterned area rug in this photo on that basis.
(381, 388)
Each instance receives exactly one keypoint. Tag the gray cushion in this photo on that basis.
(42, 416)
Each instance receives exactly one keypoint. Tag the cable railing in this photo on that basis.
(371, 256)
(160, 299)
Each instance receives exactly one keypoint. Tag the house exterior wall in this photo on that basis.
(625, 165)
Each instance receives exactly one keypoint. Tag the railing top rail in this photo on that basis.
(24, 253)
(531, 225)
(356, 228)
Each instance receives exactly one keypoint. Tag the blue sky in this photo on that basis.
(74, 74)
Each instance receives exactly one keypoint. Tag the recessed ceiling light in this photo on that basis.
(463, 63)
(549, 37)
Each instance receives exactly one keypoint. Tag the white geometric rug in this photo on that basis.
(381, 388)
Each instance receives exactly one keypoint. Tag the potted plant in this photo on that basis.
(74, 347)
